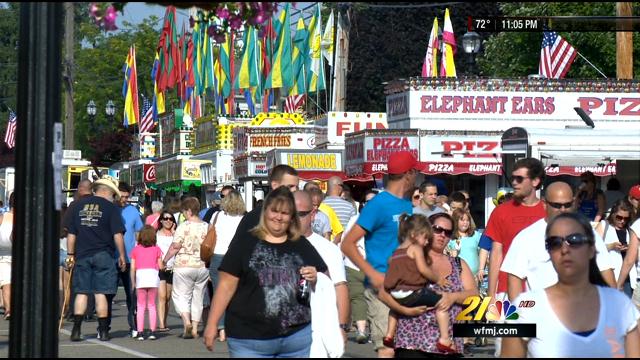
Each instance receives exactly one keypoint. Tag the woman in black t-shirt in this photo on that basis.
(258, 288)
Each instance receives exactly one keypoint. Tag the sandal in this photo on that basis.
(446, 349)
(389, 342)
(188, 332)
(164, 329)
(7, 316)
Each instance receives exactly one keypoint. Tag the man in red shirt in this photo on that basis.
(508, 219)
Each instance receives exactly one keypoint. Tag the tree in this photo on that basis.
(388, 41)
(100, 58)
(516, 54)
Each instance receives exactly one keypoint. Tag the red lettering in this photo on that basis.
(451, 146)
(549, 105)
(633, 103)
(457, 101)
(515, 102)
(539, 105)
(377, 142)
(342, 128)
(425, 101)
(502, 100)
(528, 106)
(589, 103)
(610, 108)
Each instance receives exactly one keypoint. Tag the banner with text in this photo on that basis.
(512, 105)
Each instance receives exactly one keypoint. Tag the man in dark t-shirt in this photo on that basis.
(95, 231)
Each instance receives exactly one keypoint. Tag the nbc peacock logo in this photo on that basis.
(502, 310)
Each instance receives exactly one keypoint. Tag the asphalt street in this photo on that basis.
(168, 345)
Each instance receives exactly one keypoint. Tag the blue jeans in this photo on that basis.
(130, 294)
(296, 345)
(216, 260)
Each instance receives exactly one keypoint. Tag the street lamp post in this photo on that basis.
(110, 110)
(471, 43)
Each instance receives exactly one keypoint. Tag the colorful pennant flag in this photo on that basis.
(300, 54)
(315, 76)
(130, 89)
(448, 66)
(327, 40)
(430, 65)
(282, 71)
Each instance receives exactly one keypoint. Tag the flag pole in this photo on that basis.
(593, 66)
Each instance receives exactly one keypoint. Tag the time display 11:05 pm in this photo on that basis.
(497, 24)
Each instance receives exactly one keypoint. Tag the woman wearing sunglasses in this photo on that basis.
(579, 316)
(460, 285)
(616, 234)
(164, 238)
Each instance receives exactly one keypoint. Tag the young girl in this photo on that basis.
(408, 273)
(146, 261)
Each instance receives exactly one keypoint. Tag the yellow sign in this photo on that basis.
(277, 119)
(190, 170)
(270, 141)
(313, 161)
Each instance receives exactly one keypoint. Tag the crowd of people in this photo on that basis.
(296, 275)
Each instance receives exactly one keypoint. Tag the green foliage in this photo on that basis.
(100, 59)
(516, 54)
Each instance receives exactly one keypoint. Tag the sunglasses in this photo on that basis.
(517, 178)
(167, 218)
(556, 205)
(221, 196)
(416, 197)
(622, 218)
(573, 240)
(304, 213)
(439, 230)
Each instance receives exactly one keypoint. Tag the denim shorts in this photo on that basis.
(96, 274)
(296, 345)
(63, 257)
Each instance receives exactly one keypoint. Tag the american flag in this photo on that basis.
(146, 122)
(556, 56)
(293, 102)
(10, 135)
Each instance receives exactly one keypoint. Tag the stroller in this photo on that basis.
(483, 288)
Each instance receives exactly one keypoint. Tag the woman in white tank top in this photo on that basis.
(6, 228)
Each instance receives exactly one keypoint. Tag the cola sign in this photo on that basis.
(149, 171)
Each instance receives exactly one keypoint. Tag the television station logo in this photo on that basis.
(498, 311)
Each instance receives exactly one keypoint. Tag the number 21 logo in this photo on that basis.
(501, 310)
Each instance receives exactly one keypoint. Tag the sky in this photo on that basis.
(135, 12)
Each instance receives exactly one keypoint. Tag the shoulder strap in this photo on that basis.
(215, 219)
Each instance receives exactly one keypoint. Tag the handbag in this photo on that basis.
(209, 243)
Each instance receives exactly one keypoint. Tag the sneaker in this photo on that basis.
(76, 335)
(134, 333)
(152, 336)
(361, 337)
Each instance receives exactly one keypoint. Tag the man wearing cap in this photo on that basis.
(95, 231)
(378, 223)
(631, 257)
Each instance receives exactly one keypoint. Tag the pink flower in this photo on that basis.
(94, 10)
(222, 13)
(259, 18)
(235, 22)
(110, 19)
(211, 31)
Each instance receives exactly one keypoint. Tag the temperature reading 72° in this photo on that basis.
(483, 24)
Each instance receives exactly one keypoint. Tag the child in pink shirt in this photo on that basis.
(146, 261)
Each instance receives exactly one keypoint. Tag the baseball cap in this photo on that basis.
(634, 192)
(401, 161)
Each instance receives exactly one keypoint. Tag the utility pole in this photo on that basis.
(341, 62)
(624, 44)
(33, 331)
(68, 75)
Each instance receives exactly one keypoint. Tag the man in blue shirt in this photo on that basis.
(378, 223)
(133, 225)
